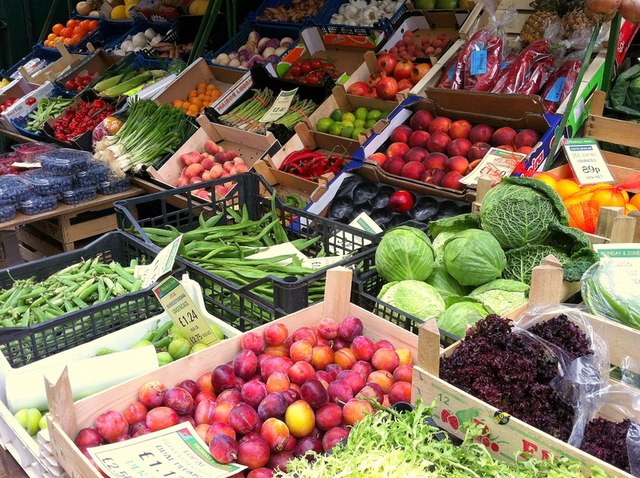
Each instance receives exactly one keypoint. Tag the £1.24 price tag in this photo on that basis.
(184, 312)
(280, 106)
(586, 161)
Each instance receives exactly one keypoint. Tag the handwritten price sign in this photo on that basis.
(586, 161)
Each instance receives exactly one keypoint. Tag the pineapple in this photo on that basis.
(544, 16)
(574, 19)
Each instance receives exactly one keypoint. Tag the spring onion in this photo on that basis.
(149, 133)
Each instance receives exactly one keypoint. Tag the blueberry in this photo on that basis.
(39, 204)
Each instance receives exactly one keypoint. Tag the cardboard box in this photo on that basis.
(285, 184)
(345, 51)
(198, 72)
(16, 89)
(20, 109)
(96, 62)
(496, 110)
(250, 147)
(54, 69)
(509, 435)
(66, 418)
(339, 99)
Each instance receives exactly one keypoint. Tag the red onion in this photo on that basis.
(630, 10)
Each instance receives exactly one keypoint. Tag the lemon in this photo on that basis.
(119, 13)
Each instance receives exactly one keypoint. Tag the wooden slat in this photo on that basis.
(613, 131)
(33, 238)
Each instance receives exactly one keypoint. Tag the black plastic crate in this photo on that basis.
(367, 285)
(23, 345)
(242, 306)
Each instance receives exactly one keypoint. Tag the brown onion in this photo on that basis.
(630, 10)
(601, 10)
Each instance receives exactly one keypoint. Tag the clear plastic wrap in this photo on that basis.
(614, 409)
(47, 184)
(528, 72)
(96, 173)
(7, 212)
(78, 195)
(610, 289)
(115, 185)
(64, 161)
(28, 152)
(39, 204)
(13, 189)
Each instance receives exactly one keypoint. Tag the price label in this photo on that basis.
(162, 264)
(479, 62)
(280, 106)
(321, 262)
(555, 93)
(586, 161)
(184, 312)
(285, 249)
(346, 242)
(496, 164)
(176, 451)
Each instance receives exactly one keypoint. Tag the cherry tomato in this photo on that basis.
(316, 65)
(71, 85)
(30, 101)
(306, 67)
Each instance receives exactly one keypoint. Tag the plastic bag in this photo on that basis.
(479, 62)
(560, 84)
(630, 371)
(610, 290)
(528, 72)
(613, 409)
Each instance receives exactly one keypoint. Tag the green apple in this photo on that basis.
(446, 4)
(425, 4)
(29, 419)
(370, 123)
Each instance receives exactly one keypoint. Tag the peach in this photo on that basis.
(481, 133)
(211, 147)
(526, 137)
(276, 334)
(278, 382)
(440, 124)
(397, 149)
(328, 416)
(478, 151)
(420, 120)
(275, 432)
(301, 350)
(457, 163)
(300, 372)
(345, 358)
(401, 134)
(405, 356)
(300, 419)
(451, 180)
(321, 356)
(503, 136)
(459, 147)
(385, 359)
(460, 129)
(400, 392)
(438, 142)
(418, 139)
(403, 373)
(382, 378)
(432, 176)
(435, 161)
(413, 170)
(333, 437)
(355, 410)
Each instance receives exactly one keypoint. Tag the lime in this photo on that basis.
(347, 131)
(348, 117)
(216, 331)
(384, 114)
(370, 123)
(197, 348)
(359, 123)
(29, 418)
(374, 115)
(356, 132)
(164, 358)
(336, 128)
(337, 115)
(324, 124)
(361, 113)
(348, 123)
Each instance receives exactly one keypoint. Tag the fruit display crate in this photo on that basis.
(320, 17)
(47, 55)
(507, 435)
(385, 25)
(241, 306)
(23, 345)
(66, 417)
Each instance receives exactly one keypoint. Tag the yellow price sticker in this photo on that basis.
(184, 312)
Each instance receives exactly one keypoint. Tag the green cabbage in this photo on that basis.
(404, 253)
(452, 224)
(461, 315)
(474, 257)
(522, 260)
(438, 246)
(501, 295)
(446, 285)
(519, 211)
(415, 298)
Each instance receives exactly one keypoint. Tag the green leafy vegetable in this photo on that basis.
(446, 285)
(474, 257)
(461, 314)
(404, 253)
(414, 297)
(522, 260)
(454, 224)
(501, 295)
(519, 211)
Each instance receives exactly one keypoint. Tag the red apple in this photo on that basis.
(438, 142)
(420, 120)
(401, 134)
(435, 161)
(401, 201)
(398, 149)
(459, 147)
(387, 88)
(440, 124)
(418, 138)
(460, 129)
(481, 133)
(386, 63)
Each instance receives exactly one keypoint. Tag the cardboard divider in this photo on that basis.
(16, 89)
(510, 434)
(250, 147)
(52, 70)
(66, 418)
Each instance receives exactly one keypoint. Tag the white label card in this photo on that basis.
(176, 451)
(162, 264)
(280, 106)
(496, 164)
(362, 222)
(586, 161)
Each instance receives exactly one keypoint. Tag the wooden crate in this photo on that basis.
(507, 433)
(52, 71)
(66, 418)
